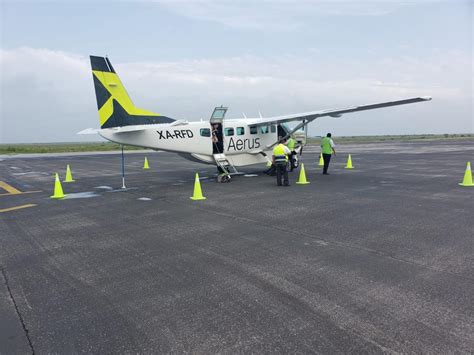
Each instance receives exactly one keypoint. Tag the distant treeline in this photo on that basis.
(61, 147)
(384, 138)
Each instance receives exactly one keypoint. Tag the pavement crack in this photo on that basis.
(17, 310)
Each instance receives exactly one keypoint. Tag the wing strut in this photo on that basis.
(303, 124)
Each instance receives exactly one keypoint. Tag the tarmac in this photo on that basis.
(371, 260)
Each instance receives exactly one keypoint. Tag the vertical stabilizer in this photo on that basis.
(116, 109)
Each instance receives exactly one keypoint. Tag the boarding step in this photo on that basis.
(222, 162)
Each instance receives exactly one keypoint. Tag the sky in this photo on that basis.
(183, 58)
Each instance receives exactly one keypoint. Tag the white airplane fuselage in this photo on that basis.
(244, 141)
(241, 144)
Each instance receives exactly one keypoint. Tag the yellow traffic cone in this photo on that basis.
(302, 179)
(349, 163)
(145, 164)
(467, 181)
(197, 195)
(58, 189)
(68, 175)
(321, 160)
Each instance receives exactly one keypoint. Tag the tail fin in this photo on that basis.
(116, 109)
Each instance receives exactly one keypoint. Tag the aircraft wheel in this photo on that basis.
(223, 178)
(296, 162)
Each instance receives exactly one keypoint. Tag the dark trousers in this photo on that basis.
(282, 172)
(292, 160)
(327, 159)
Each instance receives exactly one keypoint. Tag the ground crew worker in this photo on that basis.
(327, 148)
(291, 146)
(280, 161)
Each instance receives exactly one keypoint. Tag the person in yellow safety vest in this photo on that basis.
(280, 160)
(291, 146)
(327, 149)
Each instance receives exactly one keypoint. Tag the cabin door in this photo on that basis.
(217, 131)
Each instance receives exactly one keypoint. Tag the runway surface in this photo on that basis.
(375, 259)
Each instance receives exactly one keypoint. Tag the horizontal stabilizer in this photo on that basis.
(179, 123)
(89, 131)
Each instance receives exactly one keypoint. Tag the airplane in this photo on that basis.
(226, 143)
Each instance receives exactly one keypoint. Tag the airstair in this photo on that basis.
(226, 168)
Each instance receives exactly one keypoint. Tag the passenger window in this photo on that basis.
(253, 130)
(205, 132)
(240, 131)
(229, 131)
(264, 129)
(273, 128)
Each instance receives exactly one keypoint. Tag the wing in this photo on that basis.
(311, 116)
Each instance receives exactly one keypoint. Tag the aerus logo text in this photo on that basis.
(177, 133)
(243, 144)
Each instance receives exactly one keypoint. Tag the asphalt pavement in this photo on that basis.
(375, 259)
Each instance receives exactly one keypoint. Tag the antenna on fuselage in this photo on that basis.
(260, 114)
(244, 115)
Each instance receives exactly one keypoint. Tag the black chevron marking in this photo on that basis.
(120, 118)
(101, 93)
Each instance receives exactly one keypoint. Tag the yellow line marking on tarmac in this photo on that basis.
(10, 189)
(21, 193)
(17, 207)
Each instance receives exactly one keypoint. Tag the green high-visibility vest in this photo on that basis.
(326, 145)
(279, 151)
(291, 144)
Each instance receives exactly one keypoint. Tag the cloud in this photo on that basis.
(281, 15)
(284, 15)
(48, 95)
